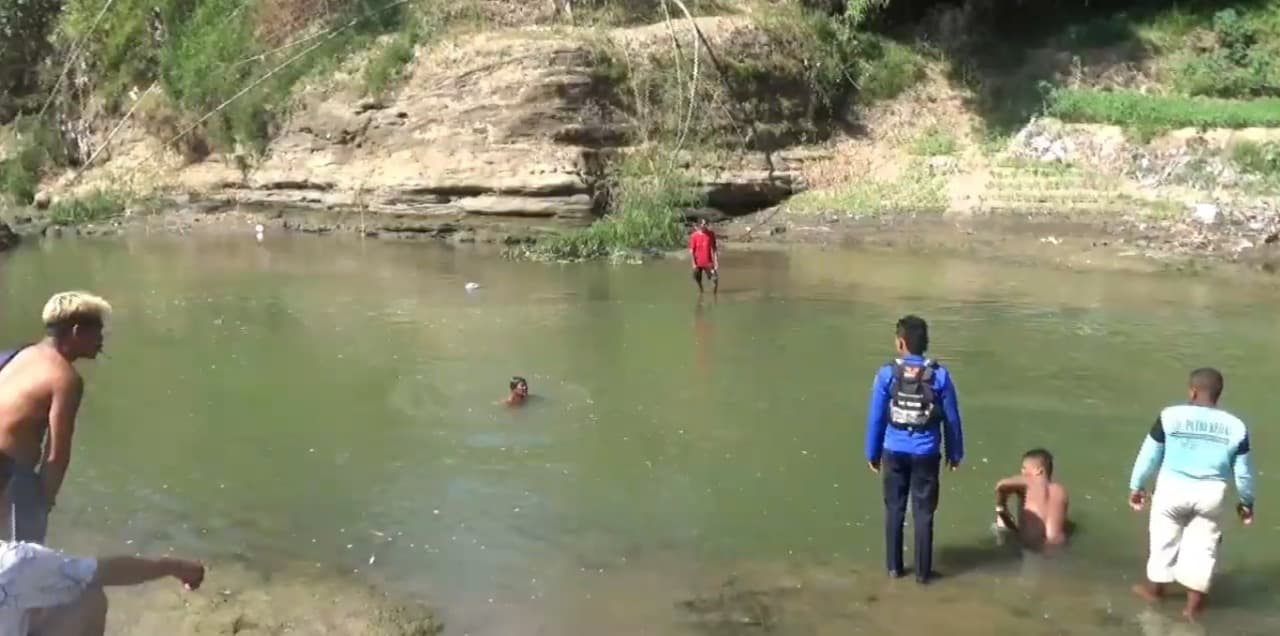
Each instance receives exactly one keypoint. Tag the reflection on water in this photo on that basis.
(686, 467)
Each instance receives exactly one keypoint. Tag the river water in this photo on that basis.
(685, 467)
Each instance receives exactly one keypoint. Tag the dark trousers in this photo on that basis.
(915, 476)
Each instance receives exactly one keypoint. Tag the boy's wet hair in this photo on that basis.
(1044, 457)
(74, 308)
(517, 381)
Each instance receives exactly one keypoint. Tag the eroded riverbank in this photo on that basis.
(1231, 241)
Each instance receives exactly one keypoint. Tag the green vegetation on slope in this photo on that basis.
(1260, 161)
(227, 69)
(35, 146)
(916, 190)
(796, 86)
(205, 53)
(1218, 70)
(648, 197)
(1067, 58)
(93, 207)
(1158, 113)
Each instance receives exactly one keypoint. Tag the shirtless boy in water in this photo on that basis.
(519, 392)
(1042, 521)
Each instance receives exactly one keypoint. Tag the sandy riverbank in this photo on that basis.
(237, 600)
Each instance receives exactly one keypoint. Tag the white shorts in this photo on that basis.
(1185, 531)
(35, 577)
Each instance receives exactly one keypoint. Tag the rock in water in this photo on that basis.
(7, 237)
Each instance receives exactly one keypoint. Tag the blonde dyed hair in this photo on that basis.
(71, 307)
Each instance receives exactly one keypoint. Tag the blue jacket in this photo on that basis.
(883, 437)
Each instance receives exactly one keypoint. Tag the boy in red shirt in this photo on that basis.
(703, 250)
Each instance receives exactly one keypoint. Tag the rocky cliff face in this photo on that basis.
(501, 129)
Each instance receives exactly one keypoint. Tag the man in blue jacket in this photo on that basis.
(913, 410)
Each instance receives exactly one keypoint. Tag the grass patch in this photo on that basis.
(1257, 158)
(795, 85)
(648, 199)
(935, 141)
(94, 207)
(1013, 56)
(837, 56)
(614, 13)
(431, 21)
(1151, 114)
(889, 70)
(205, 53)
(36, 147)
(1243, 58)
(387, 63)
(916, 190)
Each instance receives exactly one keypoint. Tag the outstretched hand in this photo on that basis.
(1137, 500)
(190, 573)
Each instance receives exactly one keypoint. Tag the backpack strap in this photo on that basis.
(926, 376)
(7, 356)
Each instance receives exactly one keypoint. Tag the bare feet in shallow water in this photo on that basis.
(1151, 592)
(1147, 592)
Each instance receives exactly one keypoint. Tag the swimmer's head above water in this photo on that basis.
(519, 390)
(1037, 462)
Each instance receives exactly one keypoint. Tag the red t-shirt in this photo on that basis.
(703, 245)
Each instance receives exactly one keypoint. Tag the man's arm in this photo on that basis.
(121, 571)
(48, 578)
(1242, 466)
(1015, 485)
(1149, 457)
(952, 431)
(877, 418)
(62, 424)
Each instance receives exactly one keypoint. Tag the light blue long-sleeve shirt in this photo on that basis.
(1197, 442)
(929, 441)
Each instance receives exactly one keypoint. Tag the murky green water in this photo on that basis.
(333, 403)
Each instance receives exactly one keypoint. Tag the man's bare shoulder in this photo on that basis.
(1058, 492)
(50, 367)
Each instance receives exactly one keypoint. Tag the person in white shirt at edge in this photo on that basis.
(47, 593)
(1197, 448)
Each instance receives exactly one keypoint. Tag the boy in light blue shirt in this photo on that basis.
(1196, 448)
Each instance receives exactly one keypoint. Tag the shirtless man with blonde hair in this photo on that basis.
(40, 394)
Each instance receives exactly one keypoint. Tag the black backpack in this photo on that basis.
(912, 403)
